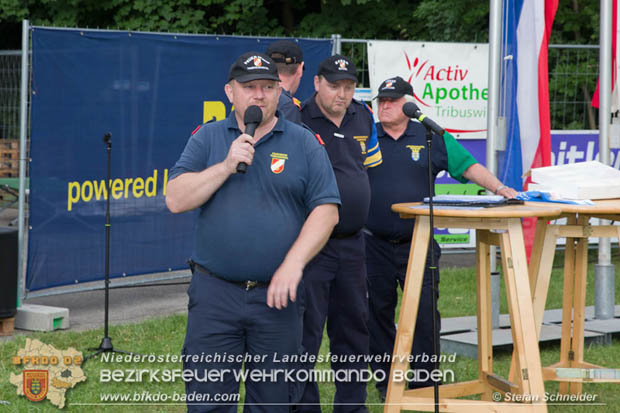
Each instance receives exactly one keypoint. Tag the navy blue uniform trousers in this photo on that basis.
(225, 319)
(336, 289)
(387, 266)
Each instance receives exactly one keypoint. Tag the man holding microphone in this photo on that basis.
(254, 235)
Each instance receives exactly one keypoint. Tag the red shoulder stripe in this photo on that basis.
(196, 130)
(318, 138)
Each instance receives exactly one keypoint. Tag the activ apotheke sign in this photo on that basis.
(450, 80)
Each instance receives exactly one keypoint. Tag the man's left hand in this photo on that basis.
(284, 285)
(507, 192)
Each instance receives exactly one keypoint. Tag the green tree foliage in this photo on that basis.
(576, 22)
(445, 21)
(428, 20)
(183, 16)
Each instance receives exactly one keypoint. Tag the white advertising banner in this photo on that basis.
(450, 80)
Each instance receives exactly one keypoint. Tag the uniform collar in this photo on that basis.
(315, 111)
(231, 124)
(380, 131)
(286, 93)
(409, 131)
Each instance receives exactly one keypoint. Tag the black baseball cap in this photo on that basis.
(285, 51)
(337, 67)
(394, 87)
(253, 66)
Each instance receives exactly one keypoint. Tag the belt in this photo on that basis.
(397, 241)
(391, 241)
(343, 235)
(247, 284)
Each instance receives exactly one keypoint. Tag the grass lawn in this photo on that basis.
(164, 336)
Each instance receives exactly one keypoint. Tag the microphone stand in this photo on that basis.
(432, 266)
(411, 110)
(106, 342)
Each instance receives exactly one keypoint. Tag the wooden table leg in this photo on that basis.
(485, 327)
(408, 313)
(539, 269)
(567, 304)
(521, 312)
(540, 272)
(579, 306)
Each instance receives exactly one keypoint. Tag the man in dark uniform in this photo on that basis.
(403, 177)
(335, 280)
(290, 62)
(255, 233)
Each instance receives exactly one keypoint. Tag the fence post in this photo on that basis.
(336, 44)
(495, 44)
(604, 270)
(23, 131)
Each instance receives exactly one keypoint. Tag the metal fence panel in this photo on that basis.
(10, 63)
(10, 79)
(573, 71)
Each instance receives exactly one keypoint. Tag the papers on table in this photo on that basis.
(583, 181)
(472, 200)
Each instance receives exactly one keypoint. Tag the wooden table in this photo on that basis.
(577, 230)
(494, 226)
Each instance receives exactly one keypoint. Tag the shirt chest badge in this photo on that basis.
(415, 151)
(362, 141)
(277, 162)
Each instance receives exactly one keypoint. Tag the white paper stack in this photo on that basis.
(583, 180)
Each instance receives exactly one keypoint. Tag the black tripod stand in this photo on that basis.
(106, 342)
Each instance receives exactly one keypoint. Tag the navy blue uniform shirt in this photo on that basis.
(246, 228)
(351, 147)
(289, 107)
(403, 175)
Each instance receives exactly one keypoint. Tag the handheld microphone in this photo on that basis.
(411, 110)
(251, 118)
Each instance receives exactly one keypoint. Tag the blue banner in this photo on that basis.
(149, 91)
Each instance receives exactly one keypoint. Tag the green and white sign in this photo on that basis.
(449, 80)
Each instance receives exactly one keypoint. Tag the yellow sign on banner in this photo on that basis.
(213, 110)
